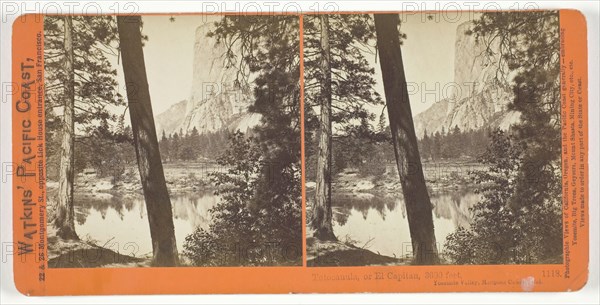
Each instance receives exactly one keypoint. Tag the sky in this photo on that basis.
(169, 57)
(428, 54)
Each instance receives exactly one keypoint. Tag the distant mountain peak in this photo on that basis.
(169, 120)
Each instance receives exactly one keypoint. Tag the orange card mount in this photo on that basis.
(291, 153)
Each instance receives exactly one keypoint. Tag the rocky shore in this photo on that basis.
(179, 177)
(438, 177)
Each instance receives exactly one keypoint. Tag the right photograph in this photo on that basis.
(433, 138)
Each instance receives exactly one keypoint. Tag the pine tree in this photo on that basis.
(382, 125)
(426, 152)
(322, 213)
(65, 216)
(456, 142)
(156, 195)
(437, 146)
(164, 147)
(339, 81)
(266, 49)
(194, 142)
(416, 196)
(80, 80)
(175, 148)
(525, 161)
(529, 43)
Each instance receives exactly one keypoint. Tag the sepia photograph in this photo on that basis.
(176, 140)
(173, 140)
(302, 149)
(433, 140)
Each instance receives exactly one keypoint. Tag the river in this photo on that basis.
(121, 223)
(379, 223)
(376, 222)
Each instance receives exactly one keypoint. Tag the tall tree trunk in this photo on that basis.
(404, 139)
(322, 215)
(158, 203)
(65, 216)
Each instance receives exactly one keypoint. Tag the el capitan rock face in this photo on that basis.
(480, 94)
(479, 97)
(215, 102)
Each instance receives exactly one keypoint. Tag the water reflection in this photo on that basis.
(379, 220)
(123, 220)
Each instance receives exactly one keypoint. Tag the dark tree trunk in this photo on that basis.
(65, 212)
(322, 216)
(156, 195)
(404, 139)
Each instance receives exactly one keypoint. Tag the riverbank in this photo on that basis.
(439, 177)
(344, 252)
(179, 177)
(338, 253)
(86, 253)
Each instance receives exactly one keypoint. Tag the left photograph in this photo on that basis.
(173, 141)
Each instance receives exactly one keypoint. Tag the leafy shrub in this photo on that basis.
(374, 163)
(507, 228)
(250, 226)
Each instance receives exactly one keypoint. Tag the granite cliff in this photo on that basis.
(216, 102)
(480, 93)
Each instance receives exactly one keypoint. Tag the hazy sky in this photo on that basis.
(169, 56)
(428, 54)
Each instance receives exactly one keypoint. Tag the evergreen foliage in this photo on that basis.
(99, 131)
(261, 203)
(519, 219)
(193, 146)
